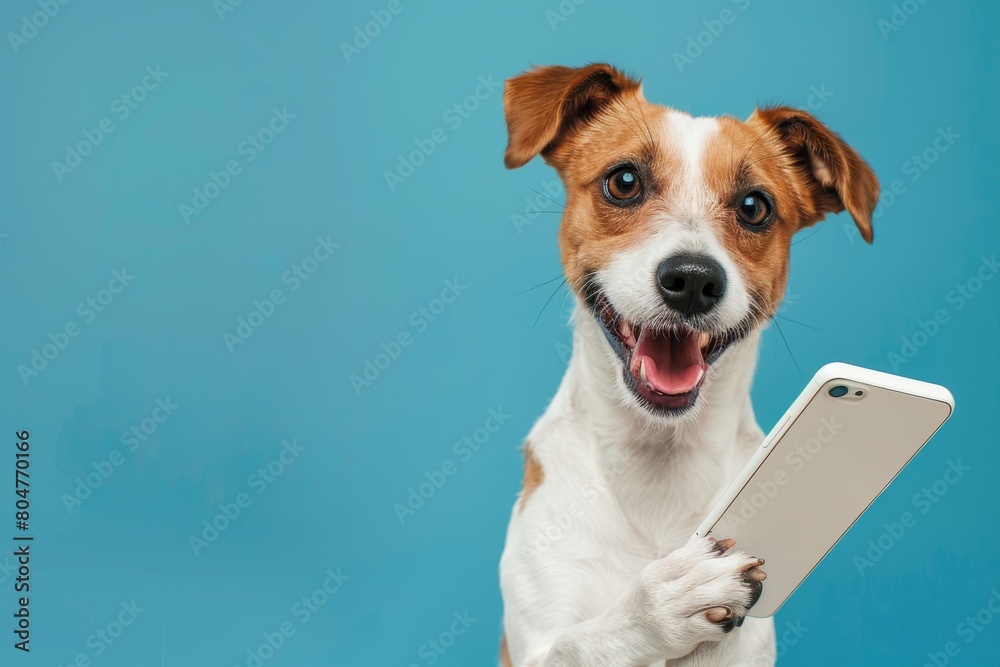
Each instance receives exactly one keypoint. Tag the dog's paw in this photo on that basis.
(699, 593)
(730, 617)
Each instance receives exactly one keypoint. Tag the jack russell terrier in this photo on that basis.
(675, 240)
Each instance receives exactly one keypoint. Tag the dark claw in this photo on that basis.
(722, 546)
(739, 621)
(729, 624)
(755, 577)
(756, 589)
(723, 617)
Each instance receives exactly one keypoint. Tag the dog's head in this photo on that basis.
(676, 231)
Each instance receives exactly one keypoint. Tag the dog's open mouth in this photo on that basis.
(664, 366)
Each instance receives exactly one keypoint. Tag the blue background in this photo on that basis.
(452, 219)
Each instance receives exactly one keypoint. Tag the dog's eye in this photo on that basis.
(754, 210)
(623, 186)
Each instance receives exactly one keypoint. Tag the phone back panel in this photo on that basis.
(821, 472)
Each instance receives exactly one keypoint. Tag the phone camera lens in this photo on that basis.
(859, 393)
(838, 391)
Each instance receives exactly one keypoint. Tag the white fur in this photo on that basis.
(629, 279)
(598, 569)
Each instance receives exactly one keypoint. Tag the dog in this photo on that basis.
(675, 241)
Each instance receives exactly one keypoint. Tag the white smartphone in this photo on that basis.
(833, 452)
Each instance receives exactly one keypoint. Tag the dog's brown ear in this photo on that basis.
(838, 177)
(544, 104)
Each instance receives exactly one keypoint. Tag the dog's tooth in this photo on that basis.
(704, 339)
(627, 333)
(642, 370)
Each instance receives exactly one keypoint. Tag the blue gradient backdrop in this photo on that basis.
(890, 89)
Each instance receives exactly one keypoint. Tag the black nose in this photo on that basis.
(691, 284)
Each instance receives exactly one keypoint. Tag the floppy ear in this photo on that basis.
(838, 178)
(544, 104)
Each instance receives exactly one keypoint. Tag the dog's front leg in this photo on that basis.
(751, 645)
(696, 595)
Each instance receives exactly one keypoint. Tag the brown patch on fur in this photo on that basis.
(543, 105)
(807, 170)
(836, 177)
(586, 121)
(738, 159)
(594, 230)
(533, 476)
(504, 653)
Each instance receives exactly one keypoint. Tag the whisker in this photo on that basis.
(587, 282)
(732, 144)
(774, 349)
(652, 139)
(547, 282)
(568, 294)
(641, 139)
(559, 204)
(785, 341)
(809, 235)
(769, 157)
(744, 158)
(801, 324)
(547, 302)
(649, 140)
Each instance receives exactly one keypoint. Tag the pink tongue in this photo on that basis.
(673, 365)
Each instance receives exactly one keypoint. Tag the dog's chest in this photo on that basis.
(663, 499)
